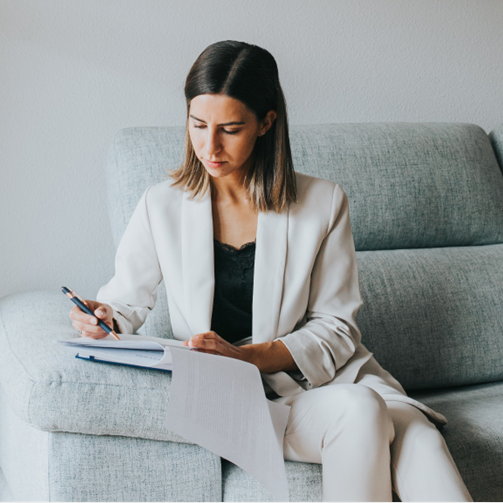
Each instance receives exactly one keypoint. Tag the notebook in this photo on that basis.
(132, 350)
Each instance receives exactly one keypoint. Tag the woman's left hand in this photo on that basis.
(211, 342)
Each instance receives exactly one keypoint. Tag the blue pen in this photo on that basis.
(79, 301)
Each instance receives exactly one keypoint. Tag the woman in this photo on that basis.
(259, 264)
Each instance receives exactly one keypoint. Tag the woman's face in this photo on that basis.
(223, 132)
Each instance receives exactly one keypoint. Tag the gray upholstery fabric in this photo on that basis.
(5, 492)
(44, 466)
(496, 138)
(48, 388)
(91, 468)
(433, 317)
(474, 434)
(409, 185)
(304, 483)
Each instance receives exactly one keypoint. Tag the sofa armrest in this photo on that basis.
(496, 137)
(51, 390)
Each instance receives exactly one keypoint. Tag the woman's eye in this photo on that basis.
(224, 130)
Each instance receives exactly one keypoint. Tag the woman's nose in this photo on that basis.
(212, 145)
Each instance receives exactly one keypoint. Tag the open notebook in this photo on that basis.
(134, 350)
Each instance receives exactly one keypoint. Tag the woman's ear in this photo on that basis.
(268, 121)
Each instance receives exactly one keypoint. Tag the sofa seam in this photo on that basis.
(75, 432)
(45, 381)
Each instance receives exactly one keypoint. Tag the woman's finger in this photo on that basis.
(202, 342)
(103, 311)
(85, 327)
(93, 335)
(77, 314)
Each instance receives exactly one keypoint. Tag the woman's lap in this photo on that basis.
(315, 411)
(418, 452)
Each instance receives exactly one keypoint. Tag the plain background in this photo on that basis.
(75, 72)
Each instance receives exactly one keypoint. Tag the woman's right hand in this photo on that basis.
(86, 324)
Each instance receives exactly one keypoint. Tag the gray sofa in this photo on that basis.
(426, 204)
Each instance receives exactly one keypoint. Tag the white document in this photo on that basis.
(220, 404)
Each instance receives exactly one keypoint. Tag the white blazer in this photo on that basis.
(305, 292)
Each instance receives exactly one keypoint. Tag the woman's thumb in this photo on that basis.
(101, 312)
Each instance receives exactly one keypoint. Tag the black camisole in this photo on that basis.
(232, 304)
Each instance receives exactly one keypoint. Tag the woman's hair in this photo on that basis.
(249, 74)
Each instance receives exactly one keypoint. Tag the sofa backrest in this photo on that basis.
(421, 196)
(409, 185)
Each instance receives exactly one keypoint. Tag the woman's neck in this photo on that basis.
(229, 189)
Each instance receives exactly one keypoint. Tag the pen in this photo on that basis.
(79, 301)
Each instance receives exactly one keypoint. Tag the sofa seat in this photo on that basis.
(474, 433)
(304, 483)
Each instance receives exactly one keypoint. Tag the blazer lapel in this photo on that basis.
(269, 273)
(197, 262)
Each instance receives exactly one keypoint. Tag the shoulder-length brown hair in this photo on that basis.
(249, 74)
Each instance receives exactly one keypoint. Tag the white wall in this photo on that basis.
(74, 72)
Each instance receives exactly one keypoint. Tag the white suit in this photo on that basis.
(305, 293)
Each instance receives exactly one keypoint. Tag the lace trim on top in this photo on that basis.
(231, 248)
(232, 262)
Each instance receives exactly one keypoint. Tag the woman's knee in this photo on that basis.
(363, 409)
(414, 428)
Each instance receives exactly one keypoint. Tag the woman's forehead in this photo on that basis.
(219, 107)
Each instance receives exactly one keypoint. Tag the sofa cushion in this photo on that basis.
(474, 434)
(433, 317)
(50, 389)
(304, 483)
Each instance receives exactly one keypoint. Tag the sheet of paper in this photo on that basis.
(219, 403)
(128, 341)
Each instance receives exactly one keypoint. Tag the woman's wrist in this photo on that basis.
(269, 357)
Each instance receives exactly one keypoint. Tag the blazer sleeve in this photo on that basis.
(132, 292)
(330, 336)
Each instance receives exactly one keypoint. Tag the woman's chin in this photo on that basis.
(218, 172)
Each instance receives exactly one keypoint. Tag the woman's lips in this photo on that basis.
(214, 164)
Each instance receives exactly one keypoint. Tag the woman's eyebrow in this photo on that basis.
(226, 124)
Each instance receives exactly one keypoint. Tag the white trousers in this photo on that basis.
(367, 446)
